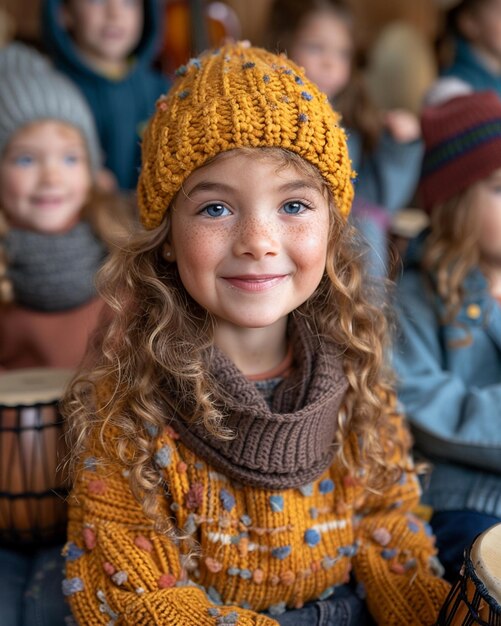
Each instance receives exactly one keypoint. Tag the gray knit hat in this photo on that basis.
(32, 90)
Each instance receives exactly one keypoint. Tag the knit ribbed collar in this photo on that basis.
(289, 444)
(53, 271)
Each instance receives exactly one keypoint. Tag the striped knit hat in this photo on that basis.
(237, 97)
(462, 145)
(32, 90)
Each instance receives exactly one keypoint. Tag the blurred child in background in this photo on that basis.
(474, 31)
(107, 48)
(56, 228)
(448, 353)
(383, 146)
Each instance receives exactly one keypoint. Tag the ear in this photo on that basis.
(468, 26)
(168, 252)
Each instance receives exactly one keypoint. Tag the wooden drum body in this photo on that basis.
(32, 490)
(476, 597)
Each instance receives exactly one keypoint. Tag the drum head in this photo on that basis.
(485, 556)
(32, 386)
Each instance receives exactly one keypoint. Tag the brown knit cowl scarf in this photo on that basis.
(288, 444)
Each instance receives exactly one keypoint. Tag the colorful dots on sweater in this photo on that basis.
(328, 562)
(72, 585)
(382, 536)
(302, 118)
(72, 552)
(89, 537)
(277, 609)
(97, 487)
(227, 499)
(306, 490)
(90, 463)
(120, 577)
(348, 551)
(277, 503)
(312, 537)
(389, 553)
(413, 526)
(326, 486)
(143, 543)
(166, 581)
(281, 552)
(163, 457)
(181, 70)
(306, 96)
(193, 499)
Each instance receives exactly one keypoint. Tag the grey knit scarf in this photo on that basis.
(53, 272)
(289, 444)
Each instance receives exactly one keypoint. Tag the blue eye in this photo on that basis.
(24, 160)
(71, 159)
(215, 210)
(294, 208)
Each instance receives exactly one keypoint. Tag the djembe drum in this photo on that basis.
(32, 490)
(476, 597)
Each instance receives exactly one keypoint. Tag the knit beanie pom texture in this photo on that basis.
(236, 97)
(462, 145)
(32, 91)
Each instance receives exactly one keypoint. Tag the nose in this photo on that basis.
(256, 238)
(50, 172)
(113, 7)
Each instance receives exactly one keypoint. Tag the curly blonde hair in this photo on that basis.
(157, 335)
(452, 250)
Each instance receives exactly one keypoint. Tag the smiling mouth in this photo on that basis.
(256, 283)
(48, 201)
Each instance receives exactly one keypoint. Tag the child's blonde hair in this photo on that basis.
(154, 346)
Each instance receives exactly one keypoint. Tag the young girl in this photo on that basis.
(449, 348)
(237, 449)
(384, 148)
(54, 236)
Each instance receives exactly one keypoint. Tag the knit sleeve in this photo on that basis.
(396, 563)
(120, 571)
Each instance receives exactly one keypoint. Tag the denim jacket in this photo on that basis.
(450, 385)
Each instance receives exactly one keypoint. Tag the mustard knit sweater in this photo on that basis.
(260, 549)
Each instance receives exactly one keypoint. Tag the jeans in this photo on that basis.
(343, 608)
(30, 588)
(455, 531)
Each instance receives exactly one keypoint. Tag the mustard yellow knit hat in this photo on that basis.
(238, 97)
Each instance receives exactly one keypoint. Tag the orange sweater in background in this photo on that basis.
(260, 549)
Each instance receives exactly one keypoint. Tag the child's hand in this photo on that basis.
(402, 125)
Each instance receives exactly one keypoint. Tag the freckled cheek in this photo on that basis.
(309, 252)
(198, 252)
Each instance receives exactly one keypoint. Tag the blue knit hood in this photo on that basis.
(61, 47)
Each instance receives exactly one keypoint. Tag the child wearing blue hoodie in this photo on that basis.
(475, 29)
(107, 49)
(448, 349)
